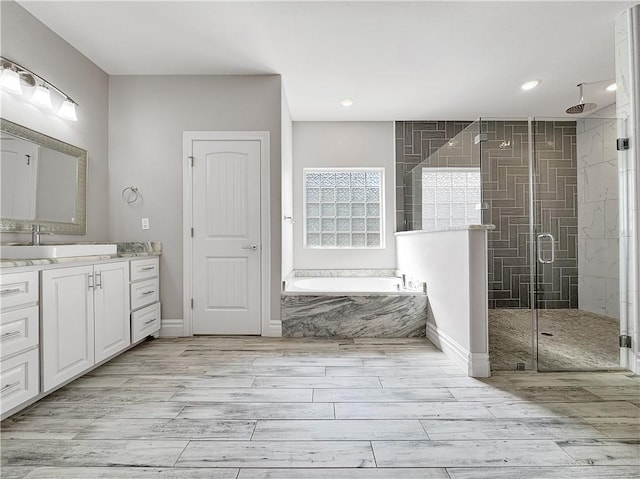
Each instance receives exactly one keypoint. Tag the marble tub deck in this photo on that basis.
(258, 408)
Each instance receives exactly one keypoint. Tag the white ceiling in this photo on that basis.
(397, 60)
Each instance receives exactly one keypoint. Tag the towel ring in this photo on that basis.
(132, 196)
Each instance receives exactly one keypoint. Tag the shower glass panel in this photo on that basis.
(443, 190)
(506, 182)
(576, 243)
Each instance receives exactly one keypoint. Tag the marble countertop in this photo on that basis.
(126, 249)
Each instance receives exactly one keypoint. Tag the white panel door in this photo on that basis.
(67, 323)
(226, 242)
(19, 174)
(111, 309)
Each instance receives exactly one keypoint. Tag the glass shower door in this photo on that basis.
(506, 204)
(575, 239)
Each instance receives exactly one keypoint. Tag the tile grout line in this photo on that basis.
(181, 453)
(424, 429)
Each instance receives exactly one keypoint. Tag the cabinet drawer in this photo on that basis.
(18, 289)
(144, 292)
(18, 380)
(18, 330)
(144, 269)
(144, 322)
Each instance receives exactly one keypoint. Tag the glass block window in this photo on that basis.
(450, 197)
(343, 208)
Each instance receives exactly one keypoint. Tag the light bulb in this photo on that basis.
(10, 81)
(68, 111)
(42, 97)
(346, 102)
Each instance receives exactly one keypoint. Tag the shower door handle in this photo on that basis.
(553, 248)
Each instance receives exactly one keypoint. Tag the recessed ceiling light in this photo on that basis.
(530, 85)
(612, 87)
(346, 102)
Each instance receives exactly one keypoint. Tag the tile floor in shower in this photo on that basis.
(568, 339)
(263, 408)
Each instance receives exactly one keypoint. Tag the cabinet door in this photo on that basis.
(111, 309)
(67, 323)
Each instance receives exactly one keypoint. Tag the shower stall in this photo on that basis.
(550, 187)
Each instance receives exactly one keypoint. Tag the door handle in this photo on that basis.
(553, 248)
(253, 247)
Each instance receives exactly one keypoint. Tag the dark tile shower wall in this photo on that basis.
(416, 141)
(505, 188)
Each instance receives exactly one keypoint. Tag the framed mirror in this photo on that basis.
(42, 181)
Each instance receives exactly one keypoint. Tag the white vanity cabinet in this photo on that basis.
(59, 321)
(85, 318)
(145, 296)
(111, 309)
(19, 373)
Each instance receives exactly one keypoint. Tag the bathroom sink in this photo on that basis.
(56, 250)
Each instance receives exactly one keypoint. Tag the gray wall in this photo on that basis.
(287, 188)
(147, 117)
(343, 144)
(25, 40)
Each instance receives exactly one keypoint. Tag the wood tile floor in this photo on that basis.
(256, 408)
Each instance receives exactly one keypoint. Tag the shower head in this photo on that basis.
(582, 106)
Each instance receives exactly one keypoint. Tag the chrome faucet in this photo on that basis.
(36, 231)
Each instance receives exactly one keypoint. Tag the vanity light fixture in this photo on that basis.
(14, 77)
(42, 97)
(68, 111)
(346, 102)
(10, 81)
(612, 87)
(530, 85)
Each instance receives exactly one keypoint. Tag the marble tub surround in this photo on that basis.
(349, 315)
(125, 250)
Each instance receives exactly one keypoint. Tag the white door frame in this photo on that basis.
(187, 220)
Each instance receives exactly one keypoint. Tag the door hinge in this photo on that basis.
(191, 303)
(192, 232)
(191, 159)
(622, 144)
(625, 341)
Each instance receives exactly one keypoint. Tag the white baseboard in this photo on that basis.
(274, 330)
(171, 328)
(174, 328)
(475, 364)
